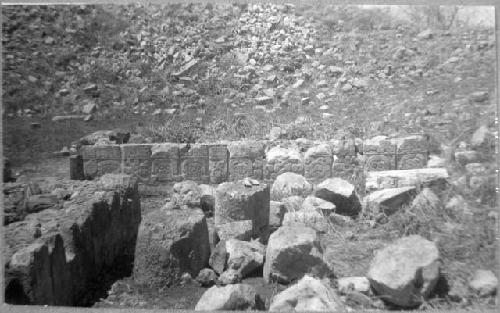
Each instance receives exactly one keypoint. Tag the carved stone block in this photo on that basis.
(194, 163)
(280, 160)
(246, 159)
(380, 154)
(411, 161)
(218, 163)
(165, 162)
(412, 152)
(90, 168)
(344, 166)
(318, 162)
(108, 166)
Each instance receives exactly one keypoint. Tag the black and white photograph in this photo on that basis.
(263, 156)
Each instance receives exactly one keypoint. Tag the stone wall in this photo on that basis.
(70, 255)
(214, 163)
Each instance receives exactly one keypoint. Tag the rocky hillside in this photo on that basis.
(186, 73)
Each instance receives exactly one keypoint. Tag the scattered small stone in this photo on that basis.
(484, 282)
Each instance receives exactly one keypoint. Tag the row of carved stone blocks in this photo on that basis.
(228, 161)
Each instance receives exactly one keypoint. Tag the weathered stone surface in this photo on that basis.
(186, 193)
(55, 256)
(344, 161)
(388, 200)
(207, 199)
(37, 203)
(406, 271)
(218, 159)
(246, 159)
(244, 256)
(426, 200)
(165, 161)
(206, 277)
(236, 202)
(312, 203)
(290, 184)
(293, 203)
(169, 244)
(76, 171)
(380, 154)
(412, 152)
(276, 212)
(312, 219)
(307, 295)
(484, 282)
(218, 257)
(137, 160)
(194, 163)
(231, 297)
(280, 160)
(318, 162)
(241, 230)
(467, 156)
(230, 276)
(404, 178)
(341, 193)
(359, 284)
(293, 252)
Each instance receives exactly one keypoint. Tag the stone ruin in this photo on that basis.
(159, 165)
(61, 256)
(72, 253)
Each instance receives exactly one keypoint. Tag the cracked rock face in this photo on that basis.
(55, 256)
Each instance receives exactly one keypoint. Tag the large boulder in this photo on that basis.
(293, 252)
(169, 244)
(230, 297)
(245, 256)
(309, 294)
(290, 184)
(236, 202)
(57, 257)
(341, 193)
(406, 271)
(241, 257)
(389, 200)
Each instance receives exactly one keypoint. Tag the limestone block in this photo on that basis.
(164, 162)
(246, 159)
(403, 178)
(236, 202)
(412, 152)
(280, 160)
(194, 162)
(218, 162)
(137, 160)
(318, 162)
(380, 154)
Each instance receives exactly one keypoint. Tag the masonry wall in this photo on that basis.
(214, 163)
